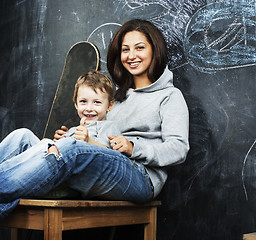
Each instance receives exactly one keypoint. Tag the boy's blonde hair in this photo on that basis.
(95, 80)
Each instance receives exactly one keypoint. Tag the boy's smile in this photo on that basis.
(92, 105)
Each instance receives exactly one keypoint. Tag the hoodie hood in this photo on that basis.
(165, 80)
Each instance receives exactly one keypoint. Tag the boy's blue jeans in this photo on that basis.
(27, 170)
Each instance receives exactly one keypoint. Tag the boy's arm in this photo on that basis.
(82, 134)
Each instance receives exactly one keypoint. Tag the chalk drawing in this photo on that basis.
(221, 36)
(102, 36)
(244, 162)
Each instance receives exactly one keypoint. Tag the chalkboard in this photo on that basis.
(211, 50)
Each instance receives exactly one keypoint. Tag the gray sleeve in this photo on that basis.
(107, 128)
(174, 130)
(70, 132)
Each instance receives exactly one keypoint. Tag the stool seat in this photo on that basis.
(55, 216)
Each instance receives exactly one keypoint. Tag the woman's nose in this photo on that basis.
(132, 54)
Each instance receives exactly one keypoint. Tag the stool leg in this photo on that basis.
(16, 234)
(150, 228)
(53, 224)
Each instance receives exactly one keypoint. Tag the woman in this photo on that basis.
(152, 113)
(152, 116)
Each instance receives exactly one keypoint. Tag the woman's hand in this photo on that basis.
(59, 133)
(81, 132)
(121, 144)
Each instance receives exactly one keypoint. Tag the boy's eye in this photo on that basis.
(97, 102)
(82, 101)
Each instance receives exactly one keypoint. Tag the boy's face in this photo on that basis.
(91, 105)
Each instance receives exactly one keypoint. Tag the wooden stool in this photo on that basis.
(249, 236)
(55, 216)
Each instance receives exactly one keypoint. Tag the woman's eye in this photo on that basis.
(125, 50)
(140, 47)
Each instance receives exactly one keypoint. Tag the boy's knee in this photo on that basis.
(25, 135)
(53, 149)
(23, 132)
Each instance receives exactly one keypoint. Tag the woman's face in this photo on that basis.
(136, 53)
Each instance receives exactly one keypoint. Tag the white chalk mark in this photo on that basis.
(76, 16)
(103, 35)
(103, 25)
(245, 159)
(103, 40)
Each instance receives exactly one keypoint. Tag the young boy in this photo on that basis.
(93, 98)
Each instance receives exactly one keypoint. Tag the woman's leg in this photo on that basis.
(17, 142)
(108, 174)
(105, 173)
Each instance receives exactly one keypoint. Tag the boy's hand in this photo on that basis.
(81, 131)
(121, 144)
(59, 133)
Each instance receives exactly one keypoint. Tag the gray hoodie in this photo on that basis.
(156, 120)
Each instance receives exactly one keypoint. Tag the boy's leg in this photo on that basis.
(17, 142)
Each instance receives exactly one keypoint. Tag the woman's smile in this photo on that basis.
(134, 64)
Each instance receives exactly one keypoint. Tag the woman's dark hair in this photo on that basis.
(121, 77)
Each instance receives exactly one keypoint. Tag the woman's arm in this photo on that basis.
(173, 147)
(121, 144)
(60, 133)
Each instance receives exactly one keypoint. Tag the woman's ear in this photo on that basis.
(111, 105)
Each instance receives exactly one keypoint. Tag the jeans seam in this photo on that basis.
(147, 178)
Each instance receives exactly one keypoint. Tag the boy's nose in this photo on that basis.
(89, 107)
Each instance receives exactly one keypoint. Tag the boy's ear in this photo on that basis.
(76, 106)
(111, 105)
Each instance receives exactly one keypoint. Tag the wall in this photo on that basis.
(212, 54)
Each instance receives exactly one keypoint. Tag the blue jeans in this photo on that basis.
(27, 170)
